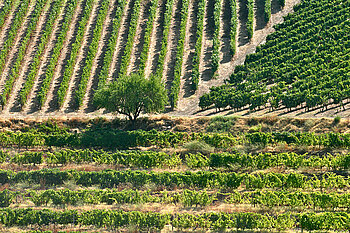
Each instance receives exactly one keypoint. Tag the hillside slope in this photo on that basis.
(190, 44)
(303, 66)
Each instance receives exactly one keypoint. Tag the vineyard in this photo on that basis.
(92, 176)
(55, 54)
(302, 67)
(66, 166)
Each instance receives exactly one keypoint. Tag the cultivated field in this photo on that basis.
(198, 175)
(55, 54)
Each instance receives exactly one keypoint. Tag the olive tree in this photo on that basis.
(132, 95)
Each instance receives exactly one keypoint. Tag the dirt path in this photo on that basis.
(173, 39)
(97, 64)
(189, 49)
(57, 77)
(69, 101)
(13, 103)
(11, 57)
(156, 39)
(139, 37)
(32, 102)
(7, 24)
(243, 49)
(122, 39)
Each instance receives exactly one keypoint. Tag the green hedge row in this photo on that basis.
(202, 179)
(151, 220)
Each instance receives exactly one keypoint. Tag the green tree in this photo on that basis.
(132, 95)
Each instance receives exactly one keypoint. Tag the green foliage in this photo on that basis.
(71, 60)
(91, 54)
(55, 10)
(67, 19)
(195, 75)
(147, 37)
(15, 68)
(108, 55)
(175, 85)
(233, 26)
(201, 179)
(220, 124)
(289, 69)
(250, 20)
(198, 146)
(337, 120)
(132, 95)
(19, 17)
(166, 28)
(267, 10)
(196, 160)
(6, 198)
(156, 221)
(131, 36)
(215, 57)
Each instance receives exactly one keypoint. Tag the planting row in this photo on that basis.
(203, 179)
(186, 198)
(150, 159)
(149, 220)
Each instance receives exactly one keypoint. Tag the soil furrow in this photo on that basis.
(32, 104)
(122, 39)
(11, 57)
(139, 38)
(69, 102)
(156, 39)
(190, 43)
(173, 39)
(13, 102)
(51, 97)
(97, 64)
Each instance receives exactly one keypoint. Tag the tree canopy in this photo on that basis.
(132, 95)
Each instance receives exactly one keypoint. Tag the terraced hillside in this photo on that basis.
(56, 53)
(225, 174)
(302, 69)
